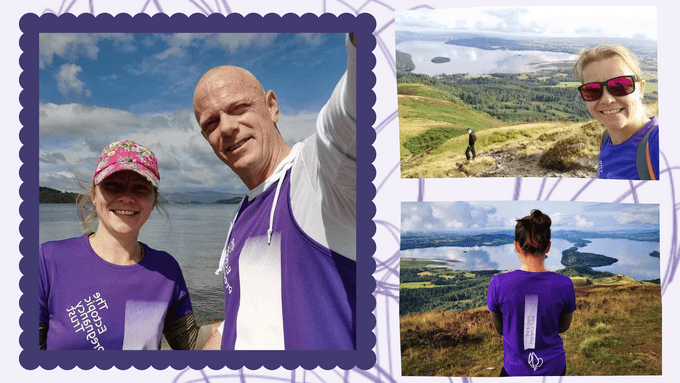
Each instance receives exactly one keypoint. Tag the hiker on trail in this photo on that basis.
(531, 306)
(470, 151)
(613, 88)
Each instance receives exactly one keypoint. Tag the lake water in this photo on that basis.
(633, 256)
(194, 235)
(475, 60)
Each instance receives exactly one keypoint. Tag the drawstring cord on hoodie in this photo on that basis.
(270, 231)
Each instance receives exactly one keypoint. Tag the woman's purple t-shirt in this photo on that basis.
(91, 304)
(531, 305)
(620, 161)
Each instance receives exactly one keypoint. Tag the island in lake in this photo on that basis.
(440, 60)
(655, 254)
(572, 257)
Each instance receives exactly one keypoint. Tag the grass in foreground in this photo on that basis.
(616, 330)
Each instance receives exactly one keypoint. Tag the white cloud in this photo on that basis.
(582, 222)
(71, 46)
(73, 136)
(313, 39)
(567, 21)
(77, 120)
(445, 216)
(230, 42)
(556, 218)
(68, 81)
(640, 214)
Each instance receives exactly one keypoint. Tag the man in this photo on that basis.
(289, 262)
(470, 151)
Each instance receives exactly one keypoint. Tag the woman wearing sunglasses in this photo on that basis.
(531, 306)
(613, 88)
(105, 290)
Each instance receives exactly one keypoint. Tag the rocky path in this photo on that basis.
(507, 164)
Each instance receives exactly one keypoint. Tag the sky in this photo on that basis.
(548, 21)
(99, 88)
(477, 216)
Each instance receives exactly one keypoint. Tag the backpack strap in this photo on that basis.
(643, 161)
(604, 137)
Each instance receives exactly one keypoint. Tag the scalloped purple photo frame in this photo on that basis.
(363, 25)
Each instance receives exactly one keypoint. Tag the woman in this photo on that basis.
(613, 87)
(531, 306)
(105, 290)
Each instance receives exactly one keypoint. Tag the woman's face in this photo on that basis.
(124, 201)
(623, 114)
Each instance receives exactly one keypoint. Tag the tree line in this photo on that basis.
(510, 97)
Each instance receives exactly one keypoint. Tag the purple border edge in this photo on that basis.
(31, 25)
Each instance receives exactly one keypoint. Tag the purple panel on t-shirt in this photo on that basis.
(531, 305)
(317, 289)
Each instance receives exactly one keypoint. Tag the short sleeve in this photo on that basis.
(44, 288)
(570, 298)
(181, 303)
(491, 301)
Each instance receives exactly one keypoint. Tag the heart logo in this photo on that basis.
(534, 361)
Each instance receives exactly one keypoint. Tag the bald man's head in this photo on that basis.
(238, 118)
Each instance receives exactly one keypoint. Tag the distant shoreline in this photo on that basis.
(52, 196)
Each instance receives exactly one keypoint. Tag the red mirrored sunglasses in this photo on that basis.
(617, 86)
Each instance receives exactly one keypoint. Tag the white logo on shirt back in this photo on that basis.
(534, 361)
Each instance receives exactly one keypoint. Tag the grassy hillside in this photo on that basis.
(429, 117)
(616, 330)
(433, 137)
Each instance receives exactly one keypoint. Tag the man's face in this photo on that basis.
(238, 120)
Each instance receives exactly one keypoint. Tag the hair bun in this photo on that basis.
(540, 219)
(533, 232)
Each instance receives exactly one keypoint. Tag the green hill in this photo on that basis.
(530, 114)
(49, 195)
(616, 330)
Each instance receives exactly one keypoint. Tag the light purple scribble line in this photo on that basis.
(379, 370)
(389, 119)
(389, 338)
(421, 189)
(673, 256)
(206, 11)
(540, 191)
(61, 7)
(343, 3)
(384, 5)
(158, 6)
(629, 192)
(590, 181)
(553, 189)
(633, 192)
(386, 178)
(393, 64)
(67, 8)
(518, 188)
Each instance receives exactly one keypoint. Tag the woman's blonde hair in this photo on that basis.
(87, 213)
(601, 52)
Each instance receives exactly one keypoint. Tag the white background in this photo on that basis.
(391, 190)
